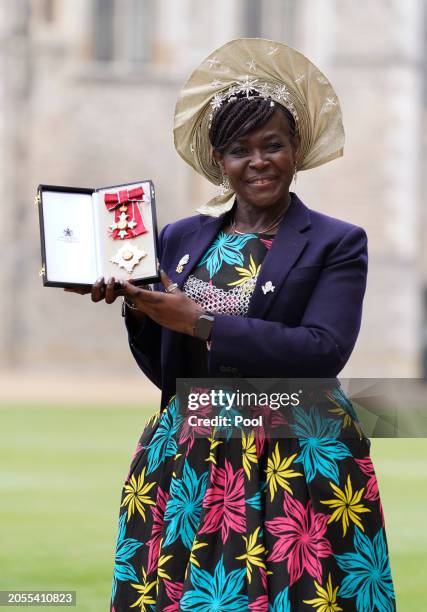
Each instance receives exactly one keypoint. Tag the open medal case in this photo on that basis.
(89, 233)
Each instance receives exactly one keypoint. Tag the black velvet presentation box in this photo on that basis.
(89, 233)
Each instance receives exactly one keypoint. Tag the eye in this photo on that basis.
(238, 151)
(274, 146)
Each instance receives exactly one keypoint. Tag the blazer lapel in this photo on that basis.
(287, 246)
(194, 243)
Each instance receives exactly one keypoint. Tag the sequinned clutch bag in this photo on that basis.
(89, 233)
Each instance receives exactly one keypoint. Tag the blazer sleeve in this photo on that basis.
(321, 345)
(145, 338)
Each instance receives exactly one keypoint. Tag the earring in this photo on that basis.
(225, 185)
(295, 173)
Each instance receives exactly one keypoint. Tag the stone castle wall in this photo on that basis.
(67, 119)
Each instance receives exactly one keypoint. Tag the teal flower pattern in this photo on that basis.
(320, 450)
(255, 500)
(125, 550)
(368, 574)
(216, 593)
(184, 506)
(194, 571)
(281, 603)
(343, 401)
(225, 248)
(163, 443)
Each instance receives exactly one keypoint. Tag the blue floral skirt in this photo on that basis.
(252, 523)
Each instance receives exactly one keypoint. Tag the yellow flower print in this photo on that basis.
(327, 598)
(214, 444)
(248, 452)
(278, 472)
(346, 505)
(137, 495)
(344, 408)
(196, 546)
(144, 589)
(160, 569)
(254, 553)
(246, 274)
(347, 420)
(154, 418)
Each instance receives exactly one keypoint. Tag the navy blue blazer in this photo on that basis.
(306, 327)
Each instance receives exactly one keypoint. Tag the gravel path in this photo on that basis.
(36, 388)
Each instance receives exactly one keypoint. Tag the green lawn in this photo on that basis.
(61, 474)
(62, 471)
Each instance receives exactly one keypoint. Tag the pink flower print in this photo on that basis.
(188, 434)
(267, 242)
(271, 419)
(264, 578)
(138, 449)
(259, 441)
(260, 604)
(367, 468)
(174, 592)
(301, 539)
(225, 502)
(156, 533)
(372, 492)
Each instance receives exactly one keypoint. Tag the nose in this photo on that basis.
(257, 159)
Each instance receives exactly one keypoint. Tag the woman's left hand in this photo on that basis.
(173, 310)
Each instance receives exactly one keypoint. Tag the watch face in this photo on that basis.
(204, 326)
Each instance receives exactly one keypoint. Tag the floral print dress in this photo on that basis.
(212, 524)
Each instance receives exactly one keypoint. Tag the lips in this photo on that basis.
(261, 180)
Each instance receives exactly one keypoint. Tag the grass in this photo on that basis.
(61, 474)
(400, 466)
(62, 471)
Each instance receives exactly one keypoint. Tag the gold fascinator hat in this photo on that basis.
(274, 71)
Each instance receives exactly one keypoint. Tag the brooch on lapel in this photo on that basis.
(268, 287)
(182, 262)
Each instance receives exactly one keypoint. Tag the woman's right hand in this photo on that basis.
(100, 290)
(108, 292)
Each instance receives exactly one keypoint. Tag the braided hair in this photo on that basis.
(240, 115)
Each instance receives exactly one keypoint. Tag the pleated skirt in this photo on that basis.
(210, 523)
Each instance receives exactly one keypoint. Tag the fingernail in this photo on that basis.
(120, 282)
(100, 279)
(110, 280)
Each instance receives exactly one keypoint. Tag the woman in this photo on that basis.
(259, 285)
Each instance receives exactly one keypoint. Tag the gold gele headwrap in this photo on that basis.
(277, 72)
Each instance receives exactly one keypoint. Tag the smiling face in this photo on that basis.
(260, 165)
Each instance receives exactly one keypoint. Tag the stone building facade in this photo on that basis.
(88, 89)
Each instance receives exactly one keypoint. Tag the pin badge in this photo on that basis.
(268, 287)
(182, 262)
